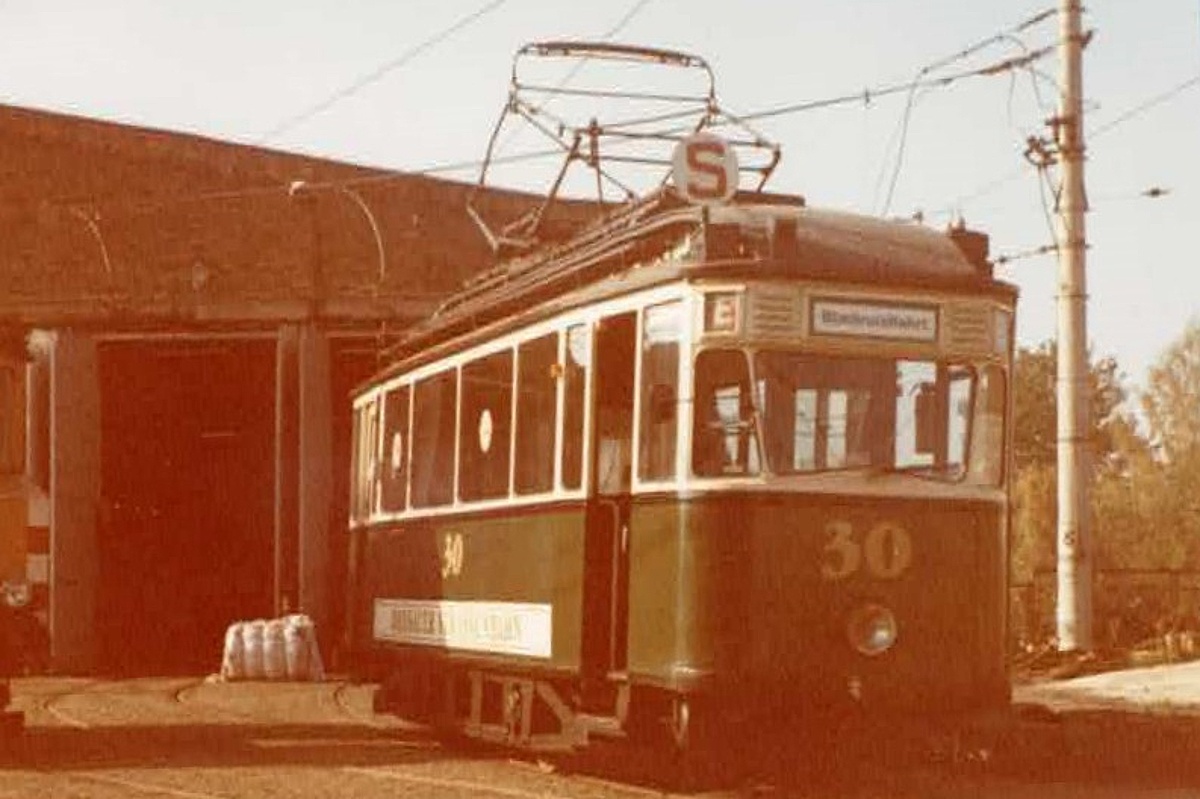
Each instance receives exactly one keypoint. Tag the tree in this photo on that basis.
(1171, 403)
(1172, 399)
(1035, 397)
(1115, 444)
(1145, 497)
(1115, 441)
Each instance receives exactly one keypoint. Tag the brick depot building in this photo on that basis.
(197, 313)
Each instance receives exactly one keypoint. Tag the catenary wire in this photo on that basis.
(865, 95)
(869, 94)
(1148, 104)
(404, 58)
(433, 169)
(1095, 133)
(1007, 36)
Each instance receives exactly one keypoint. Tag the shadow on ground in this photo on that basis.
(1028, 746)
(213, 745)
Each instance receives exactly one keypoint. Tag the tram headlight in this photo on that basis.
(872, 629)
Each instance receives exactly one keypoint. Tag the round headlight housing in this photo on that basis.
(872, 629)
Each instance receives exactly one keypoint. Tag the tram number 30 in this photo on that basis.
(452, 554)
(885, 551)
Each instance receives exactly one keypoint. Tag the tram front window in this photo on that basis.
(821, 413)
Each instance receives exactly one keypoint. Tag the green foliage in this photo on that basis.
(1115, 443)
(1036, 403)
(1172, 401)
(1145, 491)
(1034, 521)
(1135, 521)
(1034, 407)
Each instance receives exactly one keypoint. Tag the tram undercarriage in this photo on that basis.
(517, 710)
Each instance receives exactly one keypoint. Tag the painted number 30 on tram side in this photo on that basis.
(708, 458)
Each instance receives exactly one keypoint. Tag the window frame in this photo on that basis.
(477, 486)
(385, 446)
(554, 368)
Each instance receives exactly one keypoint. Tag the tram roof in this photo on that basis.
(757, 236)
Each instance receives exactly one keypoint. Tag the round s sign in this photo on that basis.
(704, 169)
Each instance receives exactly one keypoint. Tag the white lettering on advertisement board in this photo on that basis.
(911, 323)
(509, 628)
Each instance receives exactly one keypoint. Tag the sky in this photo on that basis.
(416, 85)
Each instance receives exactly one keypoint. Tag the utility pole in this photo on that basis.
(1074, 611)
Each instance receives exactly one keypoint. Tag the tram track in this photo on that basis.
(341, 703)
(50, 704)
(137, 699)
(341, 700)
(142, 787)
(194, 739)
(476, 787)
(189, 696)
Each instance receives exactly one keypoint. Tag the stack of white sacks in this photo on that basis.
(274, 649)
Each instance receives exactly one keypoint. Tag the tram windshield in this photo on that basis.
(814, 413)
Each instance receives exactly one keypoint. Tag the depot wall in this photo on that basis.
(233, 295)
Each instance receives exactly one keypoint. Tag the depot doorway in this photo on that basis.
(185, 528)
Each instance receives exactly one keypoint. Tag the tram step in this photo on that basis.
(606, 726)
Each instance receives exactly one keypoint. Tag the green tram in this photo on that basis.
(694, 463)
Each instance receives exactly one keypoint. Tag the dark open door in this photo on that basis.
(606, 585)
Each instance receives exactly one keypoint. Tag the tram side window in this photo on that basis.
(537, 392)
(11, 444)
(363, 459)
(659, 391)
(394, 478)
(434, 401)
(356, 514)
(486, 424)
(578, 359)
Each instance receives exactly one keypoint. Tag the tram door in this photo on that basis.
(606, 548)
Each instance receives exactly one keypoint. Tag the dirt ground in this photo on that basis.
(1129, 733)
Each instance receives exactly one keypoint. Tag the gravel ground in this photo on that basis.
(1173, 688)
(1128, 733)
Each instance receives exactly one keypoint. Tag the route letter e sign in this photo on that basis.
(704, 169)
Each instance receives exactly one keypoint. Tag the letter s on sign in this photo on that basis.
(704, 169)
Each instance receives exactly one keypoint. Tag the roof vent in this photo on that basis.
(972, 244)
